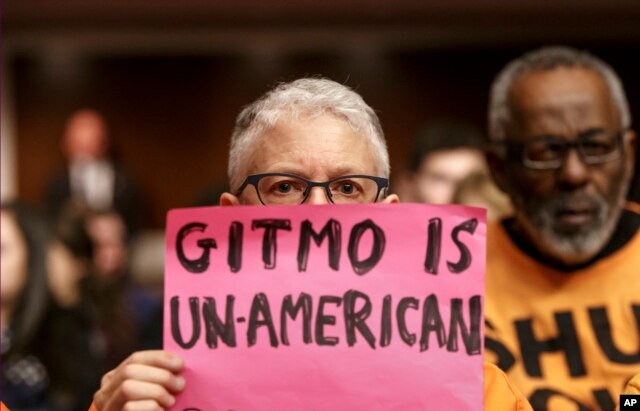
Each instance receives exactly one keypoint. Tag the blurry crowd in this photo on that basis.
(72, 310)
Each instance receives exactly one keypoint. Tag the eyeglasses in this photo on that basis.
(283, 188)
(550, 152)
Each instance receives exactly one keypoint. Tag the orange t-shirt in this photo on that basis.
(633, 388)
(3, 407)
(499, 393)
(564, 339)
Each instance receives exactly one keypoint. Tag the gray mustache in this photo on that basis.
(565, 201)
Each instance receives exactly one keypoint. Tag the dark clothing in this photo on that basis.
(147, 316)
(75, 355)
(21, 394)
(62, 370)
(127, 199)
(25, 380)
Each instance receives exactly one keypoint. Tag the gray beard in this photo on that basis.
(538, 218)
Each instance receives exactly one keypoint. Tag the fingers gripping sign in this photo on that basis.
(147, 380)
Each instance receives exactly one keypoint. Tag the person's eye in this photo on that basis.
(555, 146)
(595, 147)
(347, 188)
(285, 187)
(544, 149)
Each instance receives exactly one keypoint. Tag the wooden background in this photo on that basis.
(170, 76)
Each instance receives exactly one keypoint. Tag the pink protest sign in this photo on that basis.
(363, 307)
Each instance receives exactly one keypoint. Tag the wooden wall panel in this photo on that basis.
(170, 116)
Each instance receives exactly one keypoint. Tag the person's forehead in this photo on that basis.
(561, 95)
(459, 152)
(451, 159)
(86, 118)
(302, 143)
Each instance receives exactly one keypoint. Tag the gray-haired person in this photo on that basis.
(311, 141)
(563, 290)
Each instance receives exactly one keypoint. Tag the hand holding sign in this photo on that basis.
(146, 380)
(349, 307)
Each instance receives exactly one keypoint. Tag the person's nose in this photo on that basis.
(317, 195)
(574, 172)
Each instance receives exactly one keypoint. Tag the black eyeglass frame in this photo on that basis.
(521, 148)
(381, 182)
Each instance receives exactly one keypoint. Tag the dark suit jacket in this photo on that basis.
(127, 199)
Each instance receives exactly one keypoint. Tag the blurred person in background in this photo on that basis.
(73, 321)
(90, 279)
(92, 324)
(563, 290)
(441, 156)
(108, 233)
(26, 376)
(479, 190)
(92, 178)
(117, 293)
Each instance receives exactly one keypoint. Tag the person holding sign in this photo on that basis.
(311, 141)
(563, 291)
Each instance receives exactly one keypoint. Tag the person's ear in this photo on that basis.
(391, 199)
(497, 167)
(228, 199)
(630, 141)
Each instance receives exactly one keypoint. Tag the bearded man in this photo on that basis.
(563, 290)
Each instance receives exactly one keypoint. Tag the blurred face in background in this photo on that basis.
(479, 190)
(568, 212)
(440, 173)
(108, 234)
(14, 260)
(85, 136)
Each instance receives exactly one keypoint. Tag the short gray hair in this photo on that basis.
(548, 58)
(307, 96)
